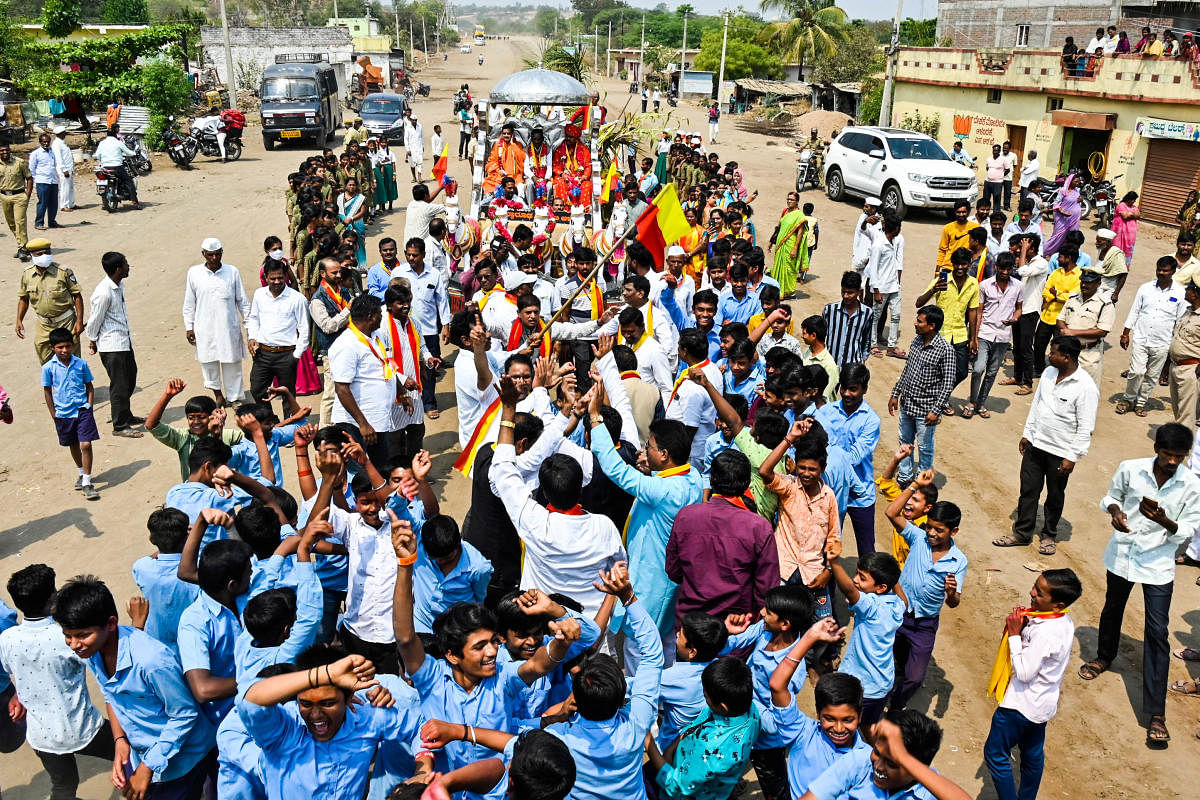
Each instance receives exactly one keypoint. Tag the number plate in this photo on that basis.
(290, 134)
(101, 184)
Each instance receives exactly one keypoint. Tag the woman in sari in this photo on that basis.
(695, 242)
(1188, 213)
(385, 176)
(352, 209)
(791, 251)
(793, 202)
(1125, 225)
(1066, 216)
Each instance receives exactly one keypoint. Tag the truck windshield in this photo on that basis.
(917, 148)
(283, 90)
(380, 106)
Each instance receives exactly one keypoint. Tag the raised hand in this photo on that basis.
(404, 541)
(421, 465)
(603, 346)
(305, 435)
(737, 623)
(174, 386)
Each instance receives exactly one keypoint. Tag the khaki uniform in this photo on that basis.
(51, 295)
(1184, 358)
(1080, 314)
(13, 197)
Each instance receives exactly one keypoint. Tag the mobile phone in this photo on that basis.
(944, 276)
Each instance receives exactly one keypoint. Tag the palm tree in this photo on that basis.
(808, 28)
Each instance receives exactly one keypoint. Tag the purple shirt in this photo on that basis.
(723, 557)
(997, 306)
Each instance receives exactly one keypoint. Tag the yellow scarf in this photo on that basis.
(1002, 669)
(388, 372)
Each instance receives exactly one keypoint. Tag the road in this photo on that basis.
(1095, 745)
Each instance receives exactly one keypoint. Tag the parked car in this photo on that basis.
(466, 47)
(381, 113)
(903, 168)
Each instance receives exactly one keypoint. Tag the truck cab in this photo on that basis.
(299, 100)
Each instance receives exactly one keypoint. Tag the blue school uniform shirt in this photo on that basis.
(395, 761)
(192, 497)
(166, 729)
(810, 752)
(858, 435)
(298, 766)
(762, 662)
(730, 309)
(747, 386)
(869, 657)
(159, 581)
(276, 572)
(240, 771)
(682, 700)
(434, 592)
(608, 753)
(250, 658)
(849, 778)
(845, 483)
(685, 319)
(208, 632)
(67, 385)
(8, 619)
(923, 579)
(334, 571)
(550, 689)
(714, 445)
(281, 435)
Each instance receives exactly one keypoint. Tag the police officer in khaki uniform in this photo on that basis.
(1088, 316)
(1184, 358)
(16, 186)
(56, 298)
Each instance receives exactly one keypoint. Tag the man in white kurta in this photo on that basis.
(212, 302)
(414, 144)
(65, 161)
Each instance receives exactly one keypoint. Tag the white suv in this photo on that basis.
(902, 168)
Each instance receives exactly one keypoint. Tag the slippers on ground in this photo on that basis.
(1010, 382)
(1184, 687)
(1157, 736)
(1184, 560)
(1025, 390)
(1010, 540)
(1092, 670)
(128, 433)
(968, 412)
(984, 413)
(1186, 653)
(433, 414)
(1122, 407)
(1047, 546)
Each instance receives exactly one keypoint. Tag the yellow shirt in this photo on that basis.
(954, 236)
(1065, 284)
(955, 303)
(758, 319)
(1155, 48)
(890, 490)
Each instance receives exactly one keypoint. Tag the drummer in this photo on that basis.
(573, 169)
(507, 160)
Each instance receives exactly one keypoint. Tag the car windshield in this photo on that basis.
(917, 148)
(379, 105)
(283, 90)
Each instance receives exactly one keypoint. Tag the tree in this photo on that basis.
(545, 20)
(744, 56)
(560, 59)
(871, 103)
(588, 9)
(60, 17)
(125, 12)
(858, 57)
(809, 28)
(165, 90)
(918, 33)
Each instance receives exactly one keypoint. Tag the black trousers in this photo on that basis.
(404, 443)
(464, 139)
(1156, 651)
(267, 366)
(770, 767)
(1023, 338)
(1041, 341)
(962, 361)
(64, 771)
(378, 452)
(433, 344)
(1008, 187)
(122, 378)
(12, 734)
(384, 655)
(1040, 468)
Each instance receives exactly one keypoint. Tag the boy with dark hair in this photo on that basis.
(744, 371)
(51, 685)
(1027, 679)
(812, 332)
(448, 571)
(878, 613)
(700, 638)
(157, 575)
(722, 439)
(934, 573)
(920, 500)
(209, 487)
(163, 741)
(67, 386)
(203, 417)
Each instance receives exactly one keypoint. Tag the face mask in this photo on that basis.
(276, 254)
(43, 260)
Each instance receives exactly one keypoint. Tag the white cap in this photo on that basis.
(675, 250)
(873, 201)
(59, 129)
(515, 279)
(1105, 233)
(211, 245)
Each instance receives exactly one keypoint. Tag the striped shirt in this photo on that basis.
(848, 336)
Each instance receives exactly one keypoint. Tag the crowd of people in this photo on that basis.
(652, 565)
(1085, 61)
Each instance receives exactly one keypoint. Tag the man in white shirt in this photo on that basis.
(421, 211)
(1010, 166)
(412, 361)
(430, 308)
(865, 231)
(277, 328)
(66, 168)
(1023, 224)
(51, 685)
(688, 401)
(884, 268)
(437, 252)
(1058, 432)
(364, 381)
(652, 366)
(214, 126)
(1029, 172)
(1100, 40)
(212, 302)
(110, 153)
(497, 307)
(1156, 308)
(107, 330)
(655, 319)
(475, 372)
(1154, 505)
(1111, 40)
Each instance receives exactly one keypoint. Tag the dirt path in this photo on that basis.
(1095, 747)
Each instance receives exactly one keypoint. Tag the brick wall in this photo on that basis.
(994, 23)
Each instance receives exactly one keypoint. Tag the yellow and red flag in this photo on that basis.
(612, 180)
(662, 224)
(443, 162)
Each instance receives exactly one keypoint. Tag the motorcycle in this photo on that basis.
(139, 163)
(181, 148)
(672, 99)
(1102, 195)
(111, 188)
(423, 89)
(206, 144)
(806, 171)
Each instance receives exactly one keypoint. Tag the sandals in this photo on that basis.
(968, 412)
(1141, 412)
(1010, 540)
(1157, 736)
(433, 413)
(1092, 670)
(1184, 687)
(1122, 407)
(1184, 560)
(948, 411)
(1047, 546)
(128, 433)
(1010, 382)
(984, 413)
(1024, 390)
(1186, 653)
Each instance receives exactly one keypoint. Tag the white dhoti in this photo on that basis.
(66, 190)
(223, 377)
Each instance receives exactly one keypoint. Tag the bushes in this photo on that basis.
(165, 90)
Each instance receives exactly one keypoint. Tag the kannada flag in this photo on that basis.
(612, 179)
(439, 168)
(662, 224)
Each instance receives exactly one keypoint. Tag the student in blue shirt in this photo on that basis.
(67, 386)
(162, 738)
(208, 462)
(896, 768)
(934, 572)
(326, 752)
(740, 304)
(251, 456)
(448, 571)
(703, 313)
(878, 612)
(721, 439)
(814, 744)
(539, 767)
(699, 639)
(158, 575)
(744, 372)
(276, 434)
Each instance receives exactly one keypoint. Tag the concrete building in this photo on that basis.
(1140, 114)
(255, 48)
(630, 59)
(1045, 24)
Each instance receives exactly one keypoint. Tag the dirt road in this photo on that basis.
(1095, 746)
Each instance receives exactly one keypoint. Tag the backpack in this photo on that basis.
(234, 120)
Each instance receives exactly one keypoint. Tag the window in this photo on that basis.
(1054, 103)
(925, 149)
(993, 95)
(1022, 36)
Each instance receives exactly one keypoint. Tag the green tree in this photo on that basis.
(545, 20)
(918, 33)
(60, 17)
(858, 58)
(810, 28)
(588, 9)
(744, 56)
(560, 59)
(165, 90)
(870, 103)
(12, 42)
(125, 12)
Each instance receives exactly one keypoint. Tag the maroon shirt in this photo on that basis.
(723, 557)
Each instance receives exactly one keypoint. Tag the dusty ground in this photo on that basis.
(1095, 745)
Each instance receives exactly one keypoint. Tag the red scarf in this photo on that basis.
(576, 511)
(334, 296)
(737, 501)
(517, 337)
(397, 358)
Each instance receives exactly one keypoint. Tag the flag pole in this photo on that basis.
(600, 261)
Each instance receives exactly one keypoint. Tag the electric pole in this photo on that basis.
(596, 47)
(424, 41)
(608, 53)
(721, 77)
(682, 54)
(885, 105)
(642, 65)
(230, 78)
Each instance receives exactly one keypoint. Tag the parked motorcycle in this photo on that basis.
(111, 188)
(181, 148)
(1102, 195)
(139, 163)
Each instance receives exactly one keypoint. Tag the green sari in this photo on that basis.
(791, 252)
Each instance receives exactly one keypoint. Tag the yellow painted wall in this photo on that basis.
(86, 31)
(988, 124)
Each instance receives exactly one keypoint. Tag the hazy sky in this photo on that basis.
(857, 9)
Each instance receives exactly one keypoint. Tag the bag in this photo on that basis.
(235, 121)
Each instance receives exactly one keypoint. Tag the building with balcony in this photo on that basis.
(1140, 114)
(1042, 25)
